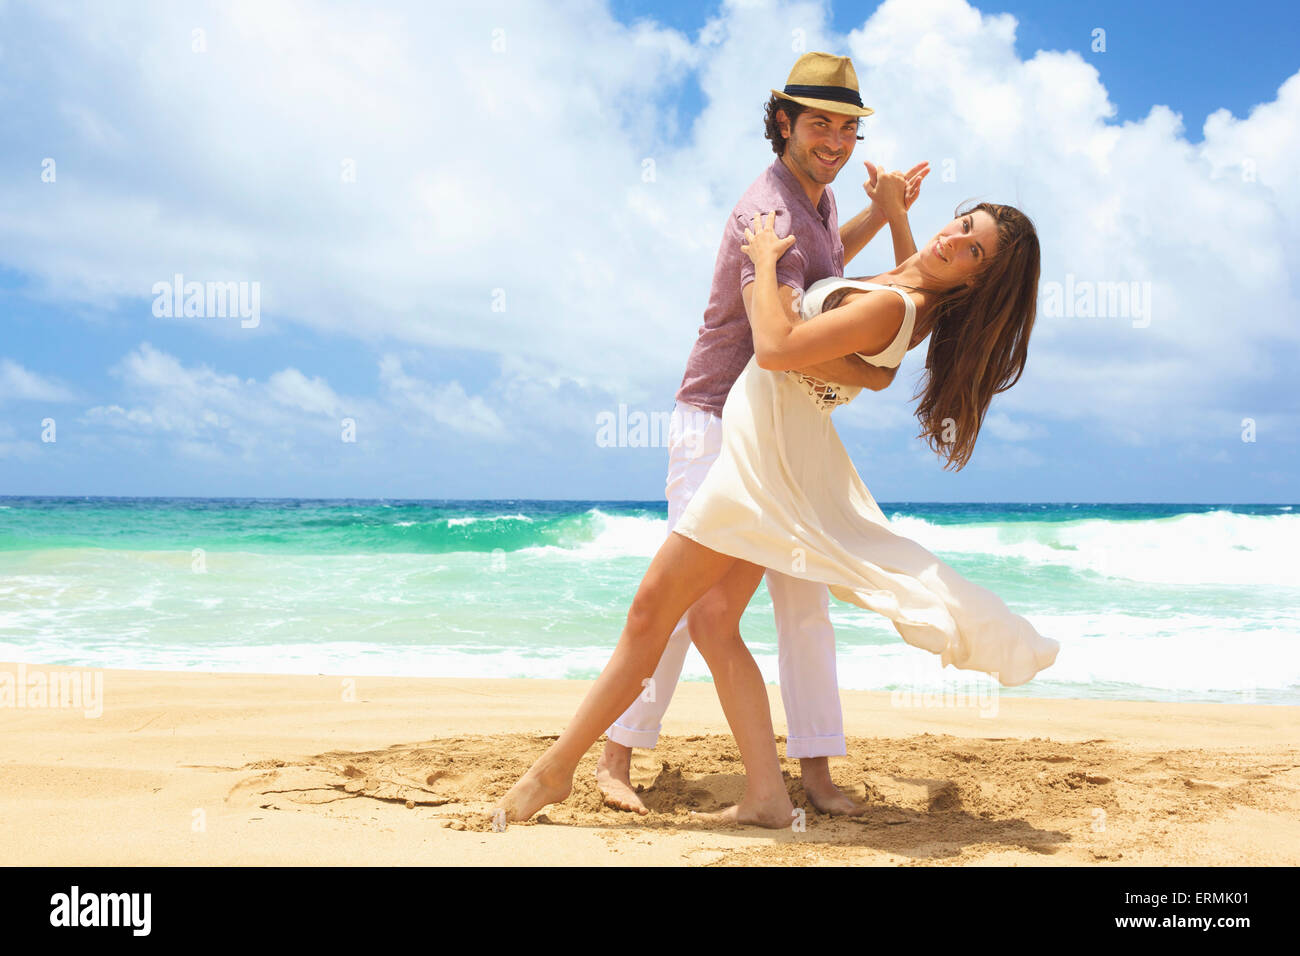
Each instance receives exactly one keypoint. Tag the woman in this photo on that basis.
(784, 494)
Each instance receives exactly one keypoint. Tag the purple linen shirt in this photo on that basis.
(725, 342)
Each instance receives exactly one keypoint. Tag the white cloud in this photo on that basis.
(1008, 458)
(521, 171)
(290, 387)
(203, 413)
(22, 384)
(446, 403)
(1000, 425)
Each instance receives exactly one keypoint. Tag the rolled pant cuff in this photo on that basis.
(645, 739)
(832, 745)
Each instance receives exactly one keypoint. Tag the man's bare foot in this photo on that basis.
(614, 778)
(822, 792)
(535, 789)
(773, 814)
(834, 801)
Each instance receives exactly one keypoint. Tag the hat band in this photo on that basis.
(840, 94)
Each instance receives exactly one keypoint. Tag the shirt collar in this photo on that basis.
(783, 173)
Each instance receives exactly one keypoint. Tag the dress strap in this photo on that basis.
(892, 354)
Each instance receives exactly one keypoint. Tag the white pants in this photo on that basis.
(805, 639)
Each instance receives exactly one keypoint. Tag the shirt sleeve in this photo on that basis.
(790, 268)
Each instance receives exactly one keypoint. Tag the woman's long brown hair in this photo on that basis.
(979, 340)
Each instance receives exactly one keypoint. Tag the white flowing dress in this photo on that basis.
(784, 494)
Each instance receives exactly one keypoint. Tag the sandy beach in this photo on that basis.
(224, 769)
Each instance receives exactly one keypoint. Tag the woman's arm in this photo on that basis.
(868, 323)
(769, 306)
(894, 194)
(853, 369)
(845, 370)
(900, 230)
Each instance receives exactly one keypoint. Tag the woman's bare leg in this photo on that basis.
(714, 623)
(680, 573)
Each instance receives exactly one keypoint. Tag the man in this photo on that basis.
(813, 126)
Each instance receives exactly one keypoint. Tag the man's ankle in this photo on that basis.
(616, 753)
(815, 769)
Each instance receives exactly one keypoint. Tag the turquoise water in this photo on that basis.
(1149, 601)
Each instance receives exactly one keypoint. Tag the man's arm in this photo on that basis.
(860, 230)
(851, 370)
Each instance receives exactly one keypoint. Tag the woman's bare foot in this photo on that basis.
(535, 789)
(822, 792)
(614, 778)
(773, 814)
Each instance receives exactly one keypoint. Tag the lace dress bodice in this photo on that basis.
(829, 395)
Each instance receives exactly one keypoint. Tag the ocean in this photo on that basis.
(1161, 602)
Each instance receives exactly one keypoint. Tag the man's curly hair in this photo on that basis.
(772, 129)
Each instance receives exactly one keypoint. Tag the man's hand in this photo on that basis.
(851, 370)
(911, 180)
(887, 192)
(862, 228)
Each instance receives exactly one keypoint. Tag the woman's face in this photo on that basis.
(961, 248)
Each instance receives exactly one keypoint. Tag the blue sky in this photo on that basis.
(1194, 57)
(498, 272)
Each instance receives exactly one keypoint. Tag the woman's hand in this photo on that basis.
(763, 245)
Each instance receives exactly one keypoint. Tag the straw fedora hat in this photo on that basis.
(827, 82)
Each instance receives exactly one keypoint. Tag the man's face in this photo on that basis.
(821, 143)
